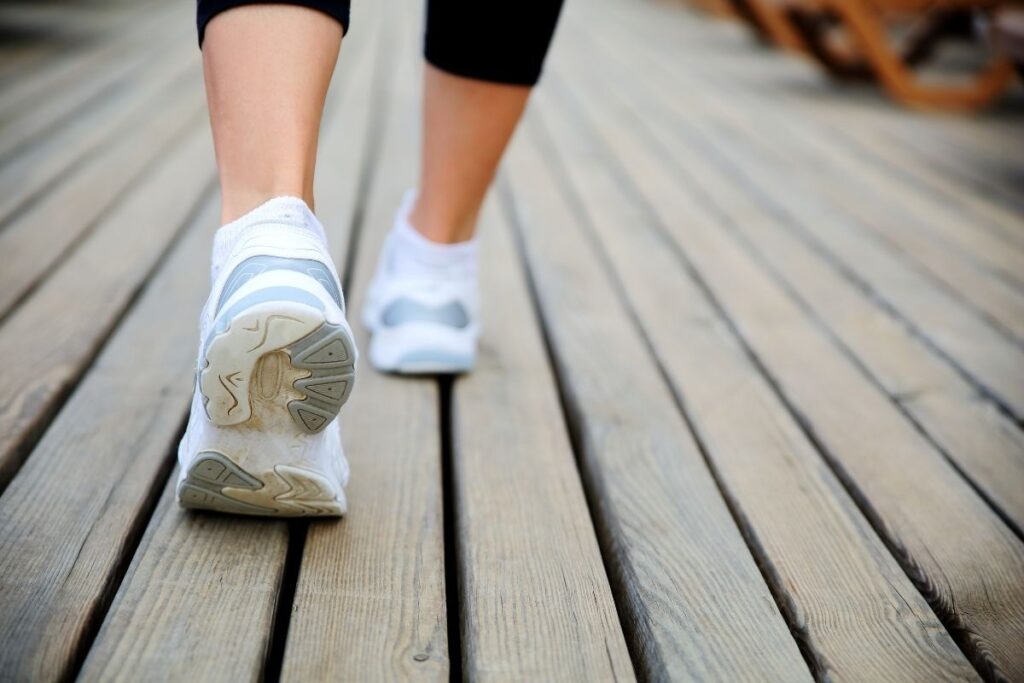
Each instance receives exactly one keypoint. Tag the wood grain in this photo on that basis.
(535, 601)
(38, 167)
(372, 584)
(695, 604)
(65, 84)
(949, 541)
(198, 601)
(986, 445)
(78, 506)
(56, 332)
(975, 180)
(822, 555)
(33, 245)
(778, 315)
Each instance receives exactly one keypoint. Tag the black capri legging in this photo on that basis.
(501, 41)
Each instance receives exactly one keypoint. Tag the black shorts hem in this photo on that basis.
(208, 9)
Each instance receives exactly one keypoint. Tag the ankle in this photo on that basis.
(442, 227)
(238, 202)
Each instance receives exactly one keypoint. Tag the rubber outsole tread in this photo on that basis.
(213, 477)
(327, 355)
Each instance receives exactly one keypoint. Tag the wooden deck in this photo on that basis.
(749, 403)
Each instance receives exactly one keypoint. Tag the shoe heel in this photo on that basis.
(216, 482)
(282, 353)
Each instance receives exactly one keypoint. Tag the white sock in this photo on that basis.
(287, 214)
(412, 254)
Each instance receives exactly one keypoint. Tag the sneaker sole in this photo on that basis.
(420, 348)
(271, 341)
(215, 482)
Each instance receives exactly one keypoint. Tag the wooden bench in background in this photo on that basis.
(894, 63)
(889, 41)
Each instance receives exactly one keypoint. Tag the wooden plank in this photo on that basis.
(964, 337)
(950, 542)
(857, 614)
(695, 604)
(893, 145)
(972, 265)
(536, 604)
(66, 83)
(70, 519)
(374, 581)
(896, 211)
(90, 90)
(38, 238)
(195, 579)
(941, 241)
(969, 160)
(35, 170)
(56, 332)
(905, 224)
(219, 576)
(986, 445)
(880, 135)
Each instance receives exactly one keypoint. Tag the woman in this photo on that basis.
(276, 355)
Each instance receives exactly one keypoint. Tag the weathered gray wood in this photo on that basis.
(77, 507)
(56, 332)
(64, 84)
(930, 227)
(884, 210)
(33, 244)
(370, 600)
(535, 600)
(952, 544)
(863, 127)
(968, 262)
(985, 444)
(986, 169)
(200, 598)
(822, 555)
(196, 579)
(92, 90)
(26, 175)
(695, 602)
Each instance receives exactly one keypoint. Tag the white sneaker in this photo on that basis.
(276, 363)
(422, 306)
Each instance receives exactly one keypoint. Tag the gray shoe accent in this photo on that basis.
(434, 361)
(330, 388)
(204, 484)
(300, 491)
(329, 354)
(256, 265)
(403, 311)
(311, 416)
(223, 321)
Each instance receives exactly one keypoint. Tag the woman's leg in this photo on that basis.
(483, 58)
(466, 125)
(267, 70)
(276, 355)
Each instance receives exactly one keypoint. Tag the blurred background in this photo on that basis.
(750, 396)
